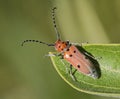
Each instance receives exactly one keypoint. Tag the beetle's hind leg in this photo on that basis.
(69, 71)
(72, 73)
(87, 54)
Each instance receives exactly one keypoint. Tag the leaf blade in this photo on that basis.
(108, 84)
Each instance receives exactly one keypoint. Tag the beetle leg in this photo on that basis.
(72, 73)
(79, 44)
(54, 54)
(66, 67)
(60, 55)
(50, 55)
(87, 54)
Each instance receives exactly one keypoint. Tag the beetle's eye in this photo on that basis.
(67, 42)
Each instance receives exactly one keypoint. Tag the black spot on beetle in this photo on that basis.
(74, 51)
(70, 55)
(68, 49)
(78, 66)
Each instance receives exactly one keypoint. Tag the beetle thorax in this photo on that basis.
(60, 46)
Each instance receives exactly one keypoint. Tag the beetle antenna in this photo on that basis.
(54, 23)
(36, 41)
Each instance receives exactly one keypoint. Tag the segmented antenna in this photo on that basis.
(37, 41)
(54, 23)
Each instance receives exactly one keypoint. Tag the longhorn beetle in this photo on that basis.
(77, 58)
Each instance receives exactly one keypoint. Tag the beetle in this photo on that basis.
(78, 59)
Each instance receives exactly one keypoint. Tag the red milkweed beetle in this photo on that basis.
(80, 60)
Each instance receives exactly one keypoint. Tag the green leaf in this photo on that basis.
(109, 82)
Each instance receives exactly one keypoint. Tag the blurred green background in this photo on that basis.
(25, 72)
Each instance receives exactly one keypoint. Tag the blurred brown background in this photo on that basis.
(25, 72)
